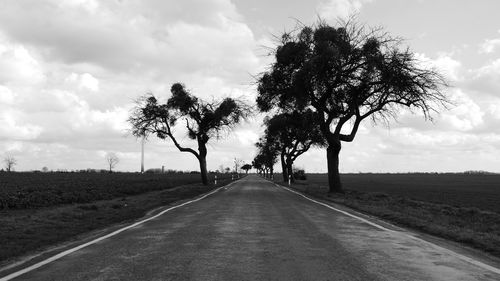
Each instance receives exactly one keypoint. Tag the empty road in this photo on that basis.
(254, 230)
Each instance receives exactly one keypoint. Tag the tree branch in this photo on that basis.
(350, 137)
(182, 149)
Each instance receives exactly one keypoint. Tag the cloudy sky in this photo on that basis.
(71, 69)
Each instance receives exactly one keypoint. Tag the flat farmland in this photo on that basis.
(459, 190)
(35, 190)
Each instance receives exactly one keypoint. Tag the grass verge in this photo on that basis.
(26, 231)
(469, 226)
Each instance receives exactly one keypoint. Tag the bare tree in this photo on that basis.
(10, 162)
(112, 160)
(203, 120)
(237, 164)
(347, 73)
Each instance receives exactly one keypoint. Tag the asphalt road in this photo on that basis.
(254, 230)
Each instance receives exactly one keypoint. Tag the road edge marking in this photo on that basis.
(448, 251)
(99, 239)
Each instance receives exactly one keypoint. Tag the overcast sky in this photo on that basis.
(70, 71)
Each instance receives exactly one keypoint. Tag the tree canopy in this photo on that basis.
(246, 167)
(203, 120)
(294, 134)
(346, 74)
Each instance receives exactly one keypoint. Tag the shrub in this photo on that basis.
(299, 174)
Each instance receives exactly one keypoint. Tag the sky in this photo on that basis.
(70, 71)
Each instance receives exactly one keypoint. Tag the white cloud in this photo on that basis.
(465, 116)
(334, 9)
(89, 5)
(247, 137)
(18, 65)
(484, 80)
(444, 63)
(164, 37)
(11, 129)
(84, 81)
(7, 97)
(492, 68)
(489, 45)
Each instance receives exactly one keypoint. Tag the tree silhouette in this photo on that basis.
(268, 150)
(294, 133)
(347, 74)
(257, 164)
(203, 120)
(246, 168)
(112, 160)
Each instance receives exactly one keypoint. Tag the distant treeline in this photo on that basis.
(97, 171)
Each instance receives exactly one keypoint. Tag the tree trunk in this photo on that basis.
(283, 168)
(203, 170)
(332, 155)
(290, 170)
(202, 158)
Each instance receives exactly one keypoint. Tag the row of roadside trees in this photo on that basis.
(326, 80)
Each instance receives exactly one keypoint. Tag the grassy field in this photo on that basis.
(82, 202)
(35, 190)
(460, 207)
(459, 190)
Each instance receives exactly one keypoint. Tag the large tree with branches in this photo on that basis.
(203, 120)
(346, 74)
(294, 133)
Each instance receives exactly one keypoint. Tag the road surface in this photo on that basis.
(254, 230)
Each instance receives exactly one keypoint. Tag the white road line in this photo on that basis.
(72, 250)
(448, 251)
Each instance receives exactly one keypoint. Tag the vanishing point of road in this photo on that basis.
(255, 230)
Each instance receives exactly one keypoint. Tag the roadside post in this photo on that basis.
(289, 180)
(215, 180)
